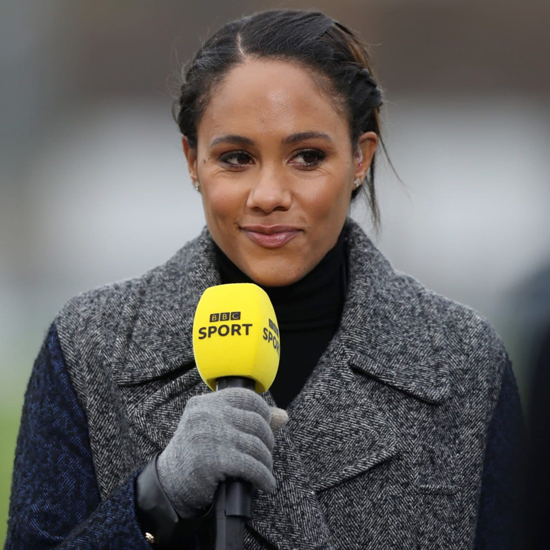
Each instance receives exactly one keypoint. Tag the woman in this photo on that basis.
(402, 405)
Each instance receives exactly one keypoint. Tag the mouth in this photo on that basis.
(271, 236)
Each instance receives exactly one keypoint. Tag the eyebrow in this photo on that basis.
(288, 140)
(231, 138)
(293, 138)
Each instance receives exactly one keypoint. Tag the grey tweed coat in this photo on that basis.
(384, 447)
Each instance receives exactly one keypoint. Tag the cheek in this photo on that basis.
(330, 195)
(329, 203)
(222, 204)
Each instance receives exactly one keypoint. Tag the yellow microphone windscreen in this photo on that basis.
(235, 333)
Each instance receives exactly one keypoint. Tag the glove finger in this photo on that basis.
(253, 446)
(248, 400)
(251, 423)
(243, 466)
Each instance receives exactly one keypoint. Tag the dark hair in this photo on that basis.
(336, 58)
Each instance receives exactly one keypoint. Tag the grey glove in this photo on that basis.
(221, 434)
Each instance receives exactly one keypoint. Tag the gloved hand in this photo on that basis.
(221, 434)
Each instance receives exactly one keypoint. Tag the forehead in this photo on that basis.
(271, 98)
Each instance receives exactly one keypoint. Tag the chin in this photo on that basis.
(275, 275)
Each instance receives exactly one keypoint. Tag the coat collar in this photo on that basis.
(387, 332)
(387, 329)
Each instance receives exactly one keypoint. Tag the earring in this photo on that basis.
(196, 185)
(357, 183)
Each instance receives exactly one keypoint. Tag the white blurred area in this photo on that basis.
(111, 195)
(471, 220)
(114, 197)
(111, 198)
(94, 186)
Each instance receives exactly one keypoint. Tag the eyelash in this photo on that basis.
(320, 156)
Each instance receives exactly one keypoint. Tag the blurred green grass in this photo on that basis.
(9, 426)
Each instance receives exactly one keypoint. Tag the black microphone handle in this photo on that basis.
(233, 499)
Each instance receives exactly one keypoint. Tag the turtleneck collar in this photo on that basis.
(314, 301)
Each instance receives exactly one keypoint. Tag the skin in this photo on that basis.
(305, 184)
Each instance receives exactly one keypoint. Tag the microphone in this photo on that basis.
(236, 343)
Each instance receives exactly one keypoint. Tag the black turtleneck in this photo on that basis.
(308, 313)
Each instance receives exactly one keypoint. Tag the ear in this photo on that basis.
(362, 156)
(191, 156)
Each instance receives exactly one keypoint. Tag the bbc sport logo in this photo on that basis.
(273, 327)
(225, 316)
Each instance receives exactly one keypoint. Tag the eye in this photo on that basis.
(236, 159)
(311, 158)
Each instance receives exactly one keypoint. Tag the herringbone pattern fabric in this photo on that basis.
(384, 447)
(55, 502)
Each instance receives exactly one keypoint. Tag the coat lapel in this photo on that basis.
(338, 431)
(335, 431)
(155, 337)
(386, 327)
(290, 517)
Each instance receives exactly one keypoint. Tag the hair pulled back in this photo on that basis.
(338, 61)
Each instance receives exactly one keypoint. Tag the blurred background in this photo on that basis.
(94, 186)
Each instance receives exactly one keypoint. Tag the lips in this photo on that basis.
(271, 236)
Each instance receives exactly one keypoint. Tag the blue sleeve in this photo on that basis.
(55, 502)
(501, 524)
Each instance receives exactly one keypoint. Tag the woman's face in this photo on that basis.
(276, 170)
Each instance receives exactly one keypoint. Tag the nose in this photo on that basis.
(269, 193)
